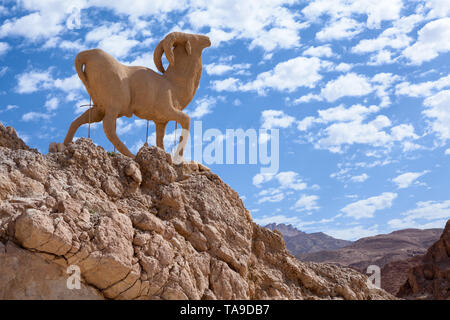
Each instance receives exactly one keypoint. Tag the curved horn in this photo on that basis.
(166, 46)
(157, 57)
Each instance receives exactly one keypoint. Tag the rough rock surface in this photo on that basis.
(144, 228)
(395, 273)
(9, 138)
(430, 279)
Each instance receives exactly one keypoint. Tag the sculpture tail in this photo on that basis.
(79, 62)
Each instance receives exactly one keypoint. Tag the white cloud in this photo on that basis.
(33, 26)
(361, 178)
(343, 67)
(406, 179)
(145, 59)
(306, 203)
(113, 38)
(353, 233)
(32, 81)
(349, 127)
(4, 48)
(125, 126)
(203, 107)
(350, 84)
(344, 28)
(376, 10)
(35, 116)
(221, 68)
(427, 214)
(439, 112)
(352, 132)
(290, 180)
(432, 40)
(395, 37)
(52, 104)
(275, 197)
(3, 71)
(367, 207)
(308, 98)
(382, 57)
(275, 119)
(320, 51)
(267, 23)
(438, 8)
(447, 151)
(288, 75)
(260, 178)
(11, 107)
(285, 179)
(402, 132)
(229, 84)
(422, 89)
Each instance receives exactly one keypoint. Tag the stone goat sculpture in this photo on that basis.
(118, 90)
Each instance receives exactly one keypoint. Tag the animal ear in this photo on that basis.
(188, 48)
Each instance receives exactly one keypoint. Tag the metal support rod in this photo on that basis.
(89, 124)
(175, 137)
(146, 137)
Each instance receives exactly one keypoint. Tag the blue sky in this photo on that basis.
(359, 90)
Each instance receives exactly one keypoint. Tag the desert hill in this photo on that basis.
(299, 242)
(142, 228)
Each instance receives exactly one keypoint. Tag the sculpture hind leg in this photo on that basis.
(95, 116)
(109, 126)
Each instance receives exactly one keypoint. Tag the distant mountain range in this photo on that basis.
(378, 250)
(395, 253)
(299, 242)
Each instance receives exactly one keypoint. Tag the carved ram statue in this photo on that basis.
(118, 90)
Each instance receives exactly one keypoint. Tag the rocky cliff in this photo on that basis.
(143, 228)
(299, 242)
(430, 278)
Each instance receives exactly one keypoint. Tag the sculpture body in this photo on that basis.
(118, 90)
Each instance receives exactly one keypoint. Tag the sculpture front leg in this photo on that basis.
(160, 133)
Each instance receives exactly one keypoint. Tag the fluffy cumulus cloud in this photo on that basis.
(438, 110)
(348, 126)
(406, 179)
(286, 76)
(285, 179)
(374, 11)
(366, 208)
(343, 28)
(350, 84)
(360, 178)
(432, 40)
(203, 107)
(275, 119)
(306, 203)
(268, 24)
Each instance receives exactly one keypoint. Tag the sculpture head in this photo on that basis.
(193, 44)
